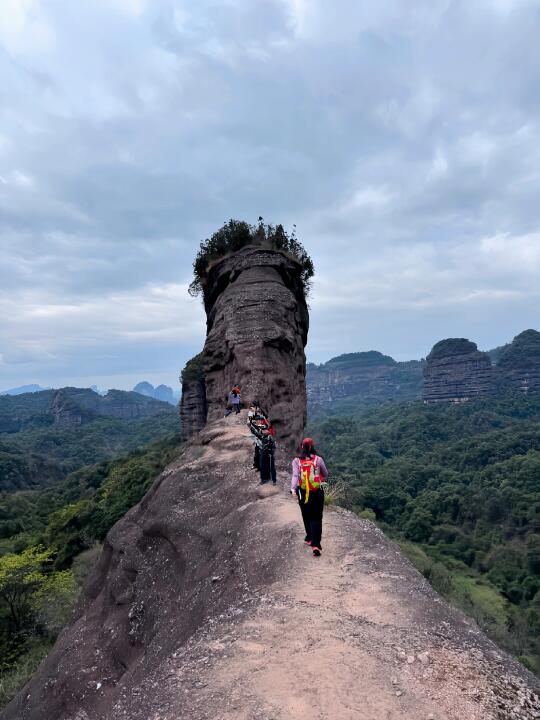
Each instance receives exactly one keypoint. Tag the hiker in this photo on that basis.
(235, 399)
(267, 465)
(255, 416)
(308, 473)
(263, 432)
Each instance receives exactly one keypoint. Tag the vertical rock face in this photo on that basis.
(519, 363)
(457, 371)
(193, 403)
(75, 406)
(67, 412)
(368, 377)
(257, 326)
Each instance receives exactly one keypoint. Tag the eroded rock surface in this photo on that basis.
(257, 325)
(457, 371)
(193, 408)
(518, 364)
(368, 377)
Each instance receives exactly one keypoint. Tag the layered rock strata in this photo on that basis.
(257, 326)
(456, 371)
(193, 408)
(518, 364)
(75, 406)
(368, 377)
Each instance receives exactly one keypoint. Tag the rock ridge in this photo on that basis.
(200, 609)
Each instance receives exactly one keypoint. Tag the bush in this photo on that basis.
(13, 680)
(85, 562)
(236, 234)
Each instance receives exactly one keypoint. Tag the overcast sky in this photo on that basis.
(402, 138)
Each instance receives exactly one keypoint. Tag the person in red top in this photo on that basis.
(308, 473)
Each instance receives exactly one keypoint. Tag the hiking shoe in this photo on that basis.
(263, 482)
(316, 552)
(308, 542)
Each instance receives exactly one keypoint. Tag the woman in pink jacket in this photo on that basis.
(308, 472)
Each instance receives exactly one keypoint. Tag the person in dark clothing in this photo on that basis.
(261, 428)
(308, 473)
(267, 465)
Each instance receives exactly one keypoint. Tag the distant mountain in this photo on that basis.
(161, 392)
(23, 389)
(72, 407)
(48, 434)
(363, 377)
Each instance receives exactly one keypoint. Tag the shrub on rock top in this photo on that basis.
(237, 234)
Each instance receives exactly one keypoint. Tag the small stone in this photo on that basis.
(424, 658)
(431, 716)
(399, 693)
(216, 578)
(394, 681)
(410, 659)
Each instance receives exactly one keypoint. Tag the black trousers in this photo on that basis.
(312, 513)
(267, 466)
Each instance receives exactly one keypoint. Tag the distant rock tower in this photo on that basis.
(518, 364)
(257, 327)
(456, 371)
(193, 408)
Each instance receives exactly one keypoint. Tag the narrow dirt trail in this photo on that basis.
(356, 634)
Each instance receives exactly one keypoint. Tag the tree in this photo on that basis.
(53, 602)
(20, 577)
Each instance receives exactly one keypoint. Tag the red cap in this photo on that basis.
(307, 441)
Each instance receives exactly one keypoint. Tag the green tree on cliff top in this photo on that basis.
(236, 234)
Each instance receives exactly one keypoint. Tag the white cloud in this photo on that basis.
(24, 27)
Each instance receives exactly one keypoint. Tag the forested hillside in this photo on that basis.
(49, 541)
(71, 464)
(458, 486)
(46, 435)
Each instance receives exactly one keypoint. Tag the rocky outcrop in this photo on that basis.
(74, 406)
(193, 408)
(457, 371)
(257, 325)
(367, 377)
(518, 363)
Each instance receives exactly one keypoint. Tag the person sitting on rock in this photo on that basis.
(308, 473)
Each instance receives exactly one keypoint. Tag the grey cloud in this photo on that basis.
(383, 131)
